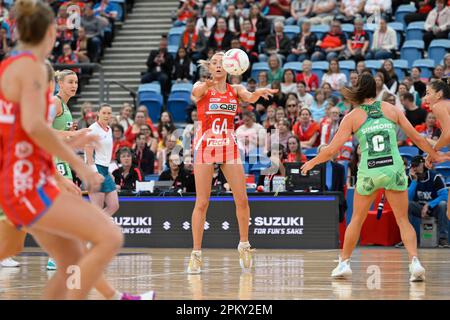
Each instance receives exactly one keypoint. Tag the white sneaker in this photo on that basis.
(342, 270)
(416, 270)
(195, 263)
(51, 264)
(246, 258)
(9, 263)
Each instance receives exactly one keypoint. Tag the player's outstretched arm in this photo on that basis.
(252, 97)
(441, 113)
(326, 153)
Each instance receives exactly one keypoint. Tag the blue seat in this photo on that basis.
(399, 28)
(151, 177)
(150, 87)
(408, 152)
(412, 50)
(319, 68)
(291, 31)
(443, 169)
(257, 67)
(348, 28)
(373, 65)
(415, 30)
(369, 28)
(184, 87)
(177, 104)
(172, 49)
(153, 101)
(175, 35)
(346, 66)
(320, 29)
(427, 66)
(400, 66)
(402, 11)
(437, 49)
(296, 66)
(310, 153)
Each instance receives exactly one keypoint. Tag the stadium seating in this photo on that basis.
(402, 11)
(310, 153)
(172, 50)
(178, 101)
(373, 65)
(291, 31)
(257, 67)
(437, 49)
(400, 66)
(408, 152)
(150, 96)
(175, 35)
(320, 30)
(399, 29)
(444, 169)
(346, 66)
(296, 66)
(348, 28)
(412, 50)
(415, 30)
(320, 67)
(427, 66)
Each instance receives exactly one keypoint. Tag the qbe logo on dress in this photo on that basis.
(186, 225)
(225, 225)
(166, 225)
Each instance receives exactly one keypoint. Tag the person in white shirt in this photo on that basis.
(288, 85)
(381, 87)
(99, 158)
(207, 22)
(251, 135)
(305, 99)
(334, 77)
(330, 127)
(300, 11)
(377, 6)
(124, 118)
(324, 11)
(349, 9)
(437, 24)
(384, 43)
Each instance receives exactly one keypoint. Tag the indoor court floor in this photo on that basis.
(378, 273)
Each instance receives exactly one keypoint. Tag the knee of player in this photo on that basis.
(202, 205)
(241, 201)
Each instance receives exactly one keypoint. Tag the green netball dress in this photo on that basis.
(381, 165)
(63, 122)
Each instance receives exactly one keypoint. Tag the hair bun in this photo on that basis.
(25, 7)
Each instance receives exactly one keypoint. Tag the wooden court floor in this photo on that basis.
(378, 273)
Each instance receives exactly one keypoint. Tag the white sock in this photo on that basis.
(197, 252)
(244, 245)
(117, 296)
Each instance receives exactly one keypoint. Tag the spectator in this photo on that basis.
(277, 43)
(63, 33)
(277, 156)
(390, 77)
(83, 49)
(292, 110)
(134, 129)
(423, 8)
(218, 7)
(295, 151)
(437, 24)
(193, 41)
(186, 9)
(353, 78)
(145, 157)
(280, 114)
(319, 106)
(302, 45)
(413, 113)
(284, 132)
(4, 12)
(175, 172)
(381, 87)
(331, 44)
(219, 182)
(278, 9)
(148, 121)
(263, 80)
(419, 85)
(182, 67)
(167, 145)
(305, 99)
(84, 122)
(166, 119)
(447, 65)
(251, 135)
(331, 127)
(119, 140)
(12, 24)
(260, 24)
(206, 23)
(360, 66)
(233, 21)
(151, 141)
(5, 43)
(279, 98)
(93, 27)
(429, 130)
(108, 13)
(68, 57)
(324, 11)
(308, 77)
(124, 117)
(384, 42)
(220, 38)
(428, 197)
(300, 12)
(327, 90)
(307, 130)
(251, 85)
(242, 9)
(288, 84)
(247, 40)
(334, 77)
(410, 88)
(438, 72)
(159, 66)
(358, 44)
(349, 9)
(189, 131)
(270, 122)
(401, 136)
(276, 72)
(127, 174)
(378, 6)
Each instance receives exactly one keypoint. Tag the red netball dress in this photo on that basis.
(215, 139)
(27, 171)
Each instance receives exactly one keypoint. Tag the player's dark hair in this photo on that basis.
(440, 85)
(365, 88)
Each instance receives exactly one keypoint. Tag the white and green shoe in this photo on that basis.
(51, 264)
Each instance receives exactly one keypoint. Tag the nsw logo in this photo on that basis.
(213, 106)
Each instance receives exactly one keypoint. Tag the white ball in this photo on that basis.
(235, 62)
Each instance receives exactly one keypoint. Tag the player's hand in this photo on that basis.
(210, 82)
(83, 139)
(92, 179)
(412, 173)
(266, 93)
(307, 166)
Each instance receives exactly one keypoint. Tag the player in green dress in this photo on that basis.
(381, 167)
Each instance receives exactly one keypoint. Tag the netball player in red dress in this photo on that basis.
(60, 222)
(215, 142)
